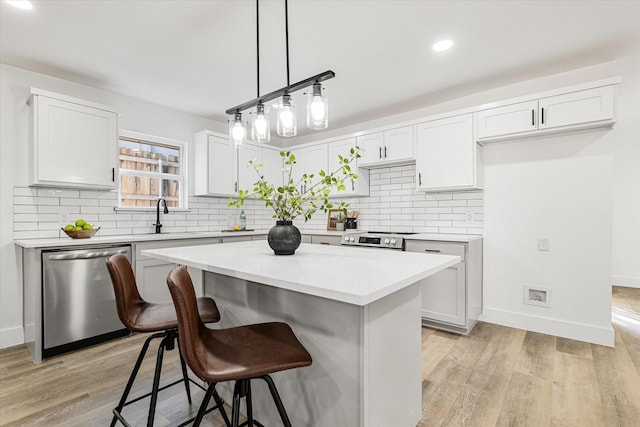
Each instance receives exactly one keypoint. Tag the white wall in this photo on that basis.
(581, 191)
(15, 87)
(626, 176)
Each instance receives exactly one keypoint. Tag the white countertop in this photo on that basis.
(443, 237)
(354, 275)
(65, 241)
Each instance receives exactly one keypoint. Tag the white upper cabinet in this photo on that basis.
(585, 106)
(360, 187)
(574, 110)
(309, 160)
(393, 146)
(447, 156)
(247, 174)
(272, 166)
(215, 165)
(75, 142)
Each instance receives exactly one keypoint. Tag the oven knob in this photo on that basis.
(352, 239)
(393, 241)
(386, 241)
(346, 238)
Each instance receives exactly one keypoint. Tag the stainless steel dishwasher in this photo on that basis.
(79, 307)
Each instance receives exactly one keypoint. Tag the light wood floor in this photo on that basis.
(496, 376)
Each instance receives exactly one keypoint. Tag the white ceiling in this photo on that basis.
(199, 56)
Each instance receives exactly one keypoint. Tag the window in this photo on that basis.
(150, 168)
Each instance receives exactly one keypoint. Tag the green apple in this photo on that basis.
(69, 227)
(80, 222)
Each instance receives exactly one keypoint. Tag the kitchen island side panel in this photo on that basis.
(366, 361)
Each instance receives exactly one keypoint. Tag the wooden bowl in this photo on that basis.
(81, 234)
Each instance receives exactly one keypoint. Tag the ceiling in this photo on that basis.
(199, 56)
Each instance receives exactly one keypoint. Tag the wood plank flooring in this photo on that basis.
(496, 376)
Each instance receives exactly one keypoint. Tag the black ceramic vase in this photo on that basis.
(284, 238)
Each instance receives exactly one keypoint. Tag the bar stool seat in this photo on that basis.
(235, 354)
(138, 315)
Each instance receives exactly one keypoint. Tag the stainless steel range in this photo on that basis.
(376, 239)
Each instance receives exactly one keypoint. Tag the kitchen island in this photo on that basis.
(356, 310)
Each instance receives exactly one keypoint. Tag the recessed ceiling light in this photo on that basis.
(21, 4)
(442, 45)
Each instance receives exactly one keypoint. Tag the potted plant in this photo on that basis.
(340, 218)
(293, 199)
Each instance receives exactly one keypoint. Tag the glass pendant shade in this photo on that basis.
(287, 123)
(260, 125)
(237, 131)
(317, 108)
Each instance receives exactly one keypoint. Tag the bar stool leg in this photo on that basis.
(277, 401)
(156, 380)
(220, 404)
(184, 374)
(205, 402)
(133, 375)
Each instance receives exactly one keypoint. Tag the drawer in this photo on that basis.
(326, 240)
(444, 248)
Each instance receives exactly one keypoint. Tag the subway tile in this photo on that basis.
(468, 195)
(79, 202)
(25, 226)
(22, 209)
(96, 210)
(452, 203)
(439, 210)
(25, 191)
(438, 196)
(35, 234)
(47, 201)
(451, 230)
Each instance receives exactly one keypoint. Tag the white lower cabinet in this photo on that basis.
(452, 298)
(151, 274)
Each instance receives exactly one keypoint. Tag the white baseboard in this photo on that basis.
(11, 336)
(560, 328)
(626, 281)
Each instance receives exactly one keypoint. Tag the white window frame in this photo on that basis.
(182, 179)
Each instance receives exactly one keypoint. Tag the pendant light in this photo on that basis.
(317, 108)
(237, 130)
(286, 121)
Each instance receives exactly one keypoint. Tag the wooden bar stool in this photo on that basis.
(237, 354)
(139, 315)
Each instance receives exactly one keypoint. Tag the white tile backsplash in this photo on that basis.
(393, 205)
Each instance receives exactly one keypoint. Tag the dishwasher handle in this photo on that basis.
(433, 250)
(88, 255)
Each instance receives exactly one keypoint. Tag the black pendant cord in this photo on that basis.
(289, 88)
(286, 34)
(258, 47)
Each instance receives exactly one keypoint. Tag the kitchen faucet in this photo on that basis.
(166, 210)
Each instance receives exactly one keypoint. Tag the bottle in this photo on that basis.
(243, 221)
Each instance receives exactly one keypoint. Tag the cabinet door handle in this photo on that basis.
(385, 151)
(542, 116)
(432, 250)
(420, 178)
(533, 117)
(235, 186)
(353, 186)
(379, 152)
(113, 174)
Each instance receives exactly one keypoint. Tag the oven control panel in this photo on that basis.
(389, 241)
